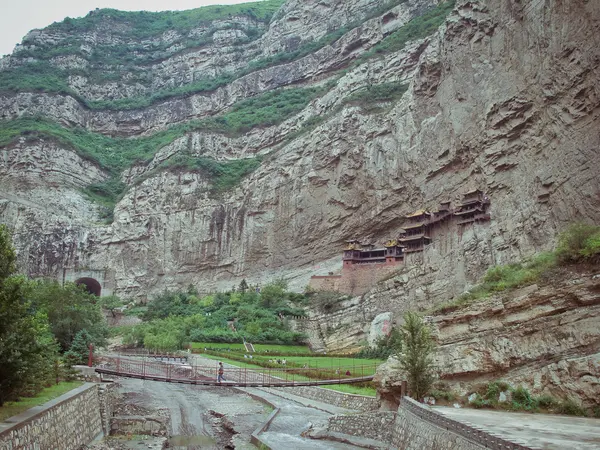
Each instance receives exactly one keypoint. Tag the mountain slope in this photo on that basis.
(502, 97)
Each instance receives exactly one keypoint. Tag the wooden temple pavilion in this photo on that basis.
(357, 253)
(415, 234)
(473, 208)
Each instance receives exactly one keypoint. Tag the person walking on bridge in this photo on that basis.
(220, 372)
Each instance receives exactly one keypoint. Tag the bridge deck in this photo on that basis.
(212, 382)
(170, 372)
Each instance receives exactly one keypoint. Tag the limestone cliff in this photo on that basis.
(503, 97)
(545, 337)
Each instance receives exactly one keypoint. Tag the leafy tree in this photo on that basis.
(273, 294)
(70, 309)
(27, 349)
(416, 355)
(110, 303)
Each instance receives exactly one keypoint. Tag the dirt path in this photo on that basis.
(201, 417)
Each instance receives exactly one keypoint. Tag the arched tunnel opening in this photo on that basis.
(91, 286)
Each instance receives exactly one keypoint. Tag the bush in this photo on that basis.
(447, 396)
(384, 347)
(493, 390)
(579, 243)
(377, 93)
(547, 401)
(571, 407)
(522, 399)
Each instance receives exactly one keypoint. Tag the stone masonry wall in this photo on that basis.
(325, 283)
(108, 398)
(350, 401)
(413, 433)
(418, 427)
(66, 423)
(374, 425)
(356, 279)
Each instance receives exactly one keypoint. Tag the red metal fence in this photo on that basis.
(172, 369)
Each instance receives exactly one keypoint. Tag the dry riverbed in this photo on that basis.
(183, 417)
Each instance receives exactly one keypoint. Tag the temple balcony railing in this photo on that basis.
(462, 212)
(414, 249)
(482, 217)
(414, 237)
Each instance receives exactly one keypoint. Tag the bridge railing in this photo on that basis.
(171, 369)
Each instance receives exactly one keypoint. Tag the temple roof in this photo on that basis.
(418, 213)
(474, 191)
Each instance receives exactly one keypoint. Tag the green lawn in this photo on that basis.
(258, 347)
(346, 388)
(329, 363)
(13, 408)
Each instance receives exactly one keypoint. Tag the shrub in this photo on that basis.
(571, 407)
(447, 396)
(547, 401)
(580, 242)
(384, 347)
(522, 399)
(493, 390)
(377, 93)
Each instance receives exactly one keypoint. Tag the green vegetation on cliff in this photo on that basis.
(110, 62)
(580, 243)
(144, 24)
(115, 154)
(418, 28)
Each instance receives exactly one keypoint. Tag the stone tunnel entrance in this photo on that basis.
(91, 286)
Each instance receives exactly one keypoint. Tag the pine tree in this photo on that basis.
(79, 351)
(416, 356)
(243, 286)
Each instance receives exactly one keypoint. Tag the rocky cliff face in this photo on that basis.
(502, 97)
(544, 337)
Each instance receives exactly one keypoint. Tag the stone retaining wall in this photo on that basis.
(67, 422)
(416, 427)
(374, 425)
(349, 401)
(419, 427)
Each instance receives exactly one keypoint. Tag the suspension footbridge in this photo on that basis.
(176, 369)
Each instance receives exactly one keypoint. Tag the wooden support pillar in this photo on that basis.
(404, 388)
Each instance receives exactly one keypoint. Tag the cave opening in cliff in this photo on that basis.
(91, 286)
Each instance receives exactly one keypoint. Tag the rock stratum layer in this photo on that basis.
(544, 337)
(503, 97)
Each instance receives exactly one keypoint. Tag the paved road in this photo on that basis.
(294, 418)
(549, 432)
